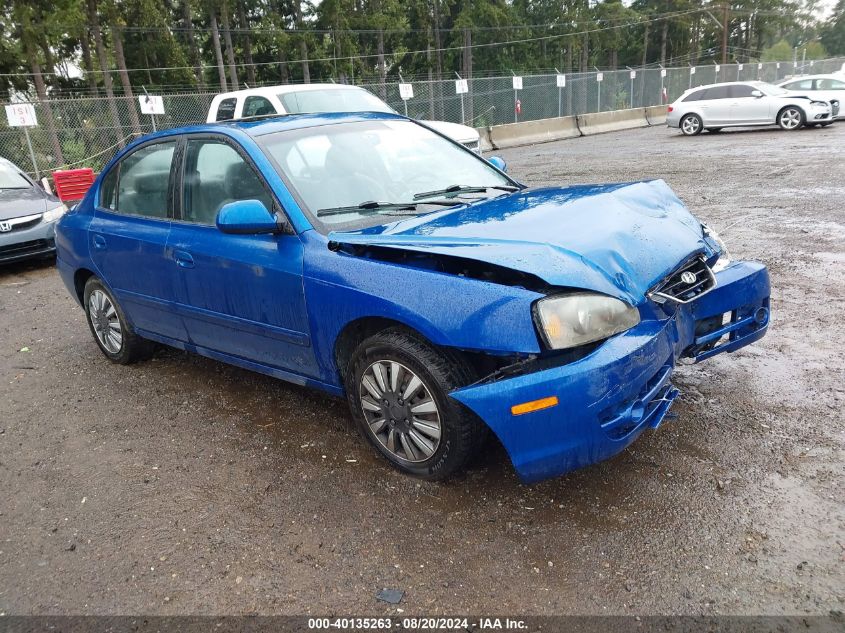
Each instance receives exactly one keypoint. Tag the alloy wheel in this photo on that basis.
(691, 125)
(400, 411)
(790, 119)
(105, 321)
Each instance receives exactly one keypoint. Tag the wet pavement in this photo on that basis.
(182, 485)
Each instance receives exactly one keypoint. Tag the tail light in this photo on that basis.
(669, 109)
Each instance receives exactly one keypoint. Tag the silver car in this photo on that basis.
(744, 104)
(28, 216)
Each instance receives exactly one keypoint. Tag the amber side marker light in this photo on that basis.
(534, 405)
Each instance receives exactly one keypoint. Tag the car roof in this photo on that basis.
(727, 83)
(819, 76)
(284, 89)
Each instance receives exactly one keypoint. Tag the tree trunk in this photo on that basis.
(88, 63)
(230, 51)
(468, 72)
(218, 52)
(645, 43)
(382, 68)
(193, 49)
(438, 56)
(585, 52)
(430, 83)
(244, 24)
(664, 36)
(94, 23)
(303, 45)
(117, 42)
(47, 111)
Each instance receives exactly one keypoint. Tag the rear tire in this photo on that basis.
(791, 118)
(691, 125)
(397, 387)
(109, 327)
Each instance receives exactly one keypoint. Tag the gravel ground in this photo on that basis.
(182, 485)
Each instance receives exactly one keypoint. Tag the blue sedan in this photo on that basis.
(372, 258)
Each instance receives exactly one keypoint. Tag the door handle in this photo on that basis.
(99, 242)
(183, 259)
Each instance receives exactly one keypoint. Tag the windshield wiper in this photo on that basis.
(390, 208)
(455, 189)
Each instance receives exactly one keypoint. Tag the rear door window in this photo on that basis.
(257, 106)
(716, 92)
(143, 181)
(695, 96)
(226, 109)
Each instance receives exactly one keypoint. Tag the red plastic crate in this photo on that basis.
(71, 184)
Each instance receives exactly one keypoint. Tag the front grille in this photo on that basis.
(22, 248)
(475, 146)
(688, 282)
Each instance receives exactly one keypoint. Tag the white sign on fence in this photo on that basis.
(692, 70)
(759, 66)
(517, 83)
(717, 68)
(406, 91)
(739, 67)
(662, 72)
(599, 76)
(461, 86)
(633, 74)
(151, 104)
(561, 81)
(21, 115)
(777, 65)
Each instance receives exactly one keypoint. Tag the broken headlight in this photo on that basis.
(584, 317)
(724, 256)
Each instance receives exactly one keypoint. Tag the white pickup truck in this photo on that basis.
(313, 98)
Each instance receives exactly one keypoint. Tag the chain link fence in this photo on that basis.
(90, 130)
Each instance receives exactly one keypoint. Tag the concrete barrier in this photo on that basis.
(530, 132)
(656, 115)
(600, 122)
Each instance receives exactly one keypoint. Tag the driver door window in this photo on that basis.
(216, 174)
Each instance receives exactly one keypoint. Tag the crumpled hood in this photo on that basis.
(618, 239)
(15, 203)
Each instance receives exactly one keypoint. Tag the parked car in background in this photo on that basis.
(320, 98)
(826, 87)
(366, 256)
(28, 216)
(744, 104)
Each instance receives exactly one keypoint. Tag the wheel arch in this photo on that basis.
(80, 278)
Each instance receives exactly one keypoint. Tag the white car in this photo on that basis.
(315, 98)
(827, 87)
(745, 104)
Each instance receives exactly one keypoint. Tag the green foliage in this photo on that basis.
(833, 31)
(780, 51)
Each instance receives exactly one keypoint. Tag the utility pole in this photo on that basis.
(725, 16)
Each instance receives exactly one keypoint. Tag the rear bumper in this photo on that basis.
(37, 241)
(607, 399)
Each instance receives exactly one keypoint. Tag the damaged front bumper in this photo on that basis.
(606, 399)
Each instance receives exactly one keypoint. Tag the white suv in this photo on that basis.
(314, 98)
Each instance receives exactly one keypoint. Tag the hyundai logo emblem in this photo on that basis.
(687, 277)
(5, 227)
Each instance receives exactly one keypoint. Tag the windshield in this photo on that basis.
(335, 168)
(10, 178)
(770, 89)
(332, 100)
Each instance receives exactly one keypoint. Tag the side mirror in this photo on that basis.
(247, 217)
(756, 93)
(498, 163)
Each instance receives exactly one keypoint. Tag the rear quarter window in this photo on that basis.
(694, 96)
(226, 109)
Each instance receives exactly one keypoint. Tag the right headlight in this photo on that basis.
(584, 317)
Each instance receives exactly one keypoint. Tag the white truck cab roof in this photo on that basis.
(310, 98)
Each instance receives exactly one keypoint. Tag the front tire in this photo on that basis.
(791, 118)
(691, 125)
(397, 388)
(109, 326)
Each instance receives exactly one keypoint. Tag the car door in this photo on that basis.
(240, 295)
(127, 236)
(716, 106)
(746, 107)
